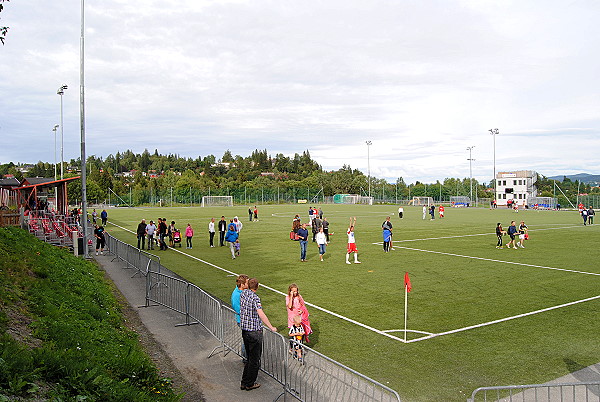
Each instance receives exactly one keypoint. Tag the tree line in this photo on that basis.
(187, 179)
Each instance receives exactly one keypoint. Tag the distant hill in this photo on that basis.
(582, 177)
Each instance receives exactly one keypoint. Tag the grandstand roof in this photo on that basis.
(9, 183)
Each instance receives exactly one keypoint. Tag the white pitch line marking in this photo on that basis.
(504, 319)
(503, 262)
(476, 234)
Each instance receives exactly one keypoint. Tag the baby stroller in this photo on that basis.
(176, 238)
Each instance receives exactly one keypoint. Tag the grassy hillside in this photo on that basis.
(61, 331)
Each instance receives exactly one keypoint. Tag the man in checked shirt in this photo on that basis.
(252, 318)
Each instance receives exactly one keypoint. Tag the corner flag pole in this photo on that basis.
(405, 309)
(407, 289)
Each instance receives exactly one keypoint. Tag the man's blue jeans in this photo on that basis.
(303, 244)
(253, 343)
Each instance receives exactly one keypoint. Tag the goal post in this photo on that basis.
(352, 199)
(422, 201)
(217, 201)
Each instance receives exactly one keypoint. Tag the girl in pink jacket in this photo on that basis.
(189, 233)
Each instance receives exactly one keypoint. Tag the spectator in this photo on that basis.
(231, 237)
(250, 214)
(499, 233)
(189, 233)
(512, 230)
(591, 214)
(211, 232)
(296, 334)
(170, 232)
(316, 226)
(252, 318)
(162, 232)
(100, 240)
(296, 307)
(326, 229)
(150, 229)
(241, 284)
(238, 224)
(141, 234)
(303, 240)
(222, 229)
(522, 233)
(237, 246)
(321, 242)
(103, 216)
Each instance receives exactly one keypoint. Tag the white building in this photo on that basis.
(518, 186)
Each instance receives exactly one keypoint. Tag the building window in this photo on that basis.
(504, 183)
(499, 182)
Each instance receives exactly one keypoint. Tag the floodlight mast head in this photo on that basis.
(61, 90)
(56, 126)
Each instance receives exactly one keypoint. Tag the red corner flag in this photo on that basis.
(407, 284)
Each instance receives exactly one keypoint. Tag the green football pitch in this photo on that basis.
(477, 315)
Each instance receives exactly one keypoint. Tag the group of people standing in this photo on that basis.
(319, 228)
(158, 234)
(250, 317)
(431, 211)
(586, 214)
(513, 232)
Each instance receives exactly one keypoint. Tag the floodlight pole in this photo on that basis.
(61, 92)
(82, 129)
(470, 149)
(369, 143)
(55, 171)
(494, 132)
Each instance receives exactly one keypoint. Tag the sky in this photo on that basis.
(422, 80)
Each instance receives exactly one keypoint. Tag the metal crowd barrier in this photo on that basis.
(316, 378)
(135, 258)
(565, 392)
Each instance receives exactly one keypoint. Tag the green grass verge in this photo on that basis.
(467, 282)
(75, 346)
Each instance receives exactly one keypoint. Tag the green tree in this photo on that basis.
(3, 30)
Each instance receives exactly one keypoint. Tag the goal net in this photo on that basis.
(542, 202)
(422, 201)
(217, 201)
(460, 200)
(352, 199)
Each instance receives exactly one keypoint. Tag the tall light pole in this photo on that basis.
(61, 92)
(369, 143)
(470, 149)
(494, 132)
(54, 129)
(82, 129)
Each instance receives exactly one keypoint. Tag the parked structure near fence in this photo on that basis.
(316, 378)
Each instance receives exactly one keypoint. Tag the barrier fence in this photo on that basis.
(565, 392)
(315, 378)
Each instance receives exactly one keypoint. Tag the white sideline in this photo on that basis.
(503, 319)
(474, 234)
(281, 293)
(503, 262)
